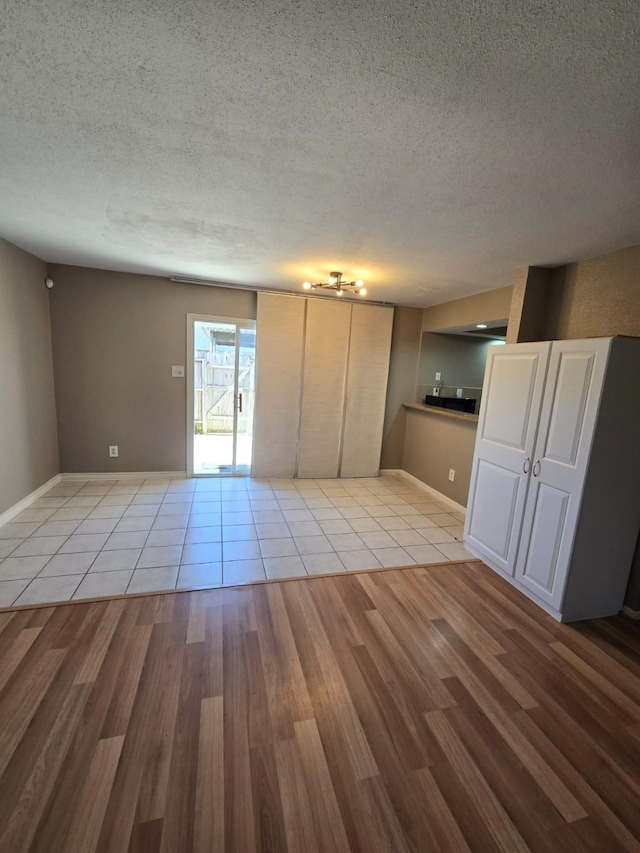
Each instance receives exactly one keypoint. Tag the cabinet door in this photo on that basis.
(323, 387)
(513, 385)
(567, 421)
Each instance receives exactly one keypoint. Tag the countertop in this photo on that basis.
(442, 413)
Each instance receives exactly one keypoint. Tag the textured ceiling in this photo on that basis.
(428, 147)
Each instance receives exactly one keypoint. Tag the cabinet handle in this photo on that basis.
(533, 470)
(525, 465)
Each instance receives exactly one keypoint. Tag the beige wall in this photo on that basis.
(490, 305)
(115, 338)
(529, 313)
(598, 297)
(401, 387)
(28, 439)
(435, 443)
(425, 445)
(461, 360)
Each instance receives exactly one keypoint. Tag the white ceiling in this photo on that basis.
(427, 147)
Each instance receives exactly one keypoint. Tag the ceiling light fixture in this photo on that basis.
(481, 325)
(335, 283)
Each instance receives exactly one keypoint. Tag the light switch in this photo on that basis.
(177, 371)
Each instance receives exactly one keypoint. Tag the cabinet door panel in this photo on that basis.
(508, 399)
(514, 380)
(495, 499)
(568, 407)
(540, 558)
(567, 421)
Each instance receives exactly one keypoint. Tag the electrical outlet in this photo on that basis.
(113, 450)
(452, 474)
(438, 376)
(177, 371)
(458, 392)
(436, 391)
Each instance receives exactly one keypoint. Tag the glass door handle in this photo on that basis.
(240, 403)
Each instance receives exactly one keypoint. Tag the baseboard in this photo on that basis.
(25, 503)
(632, 614)
(126, 475)
(416, 482)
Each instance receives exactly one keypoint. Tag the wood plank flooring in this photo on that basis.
(425, 709)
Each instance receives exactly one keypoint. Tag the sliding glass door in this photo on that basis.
(222, 382)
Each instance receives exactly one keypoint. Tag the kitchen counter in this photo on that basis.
(442, 413)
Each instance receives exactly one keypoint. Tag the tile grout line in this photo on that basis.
(334, 492)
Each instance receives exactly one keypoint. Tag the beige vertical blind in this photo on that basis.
(323, 387)
(279, 348)
(367, 373)
(321, 379)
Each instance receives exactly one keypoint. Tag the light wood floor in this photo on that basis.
(418, 709)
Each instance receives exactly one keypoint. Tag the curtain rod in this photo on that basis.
(177, 279)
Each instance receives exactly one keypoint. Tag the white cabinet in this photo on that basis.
(554, 500)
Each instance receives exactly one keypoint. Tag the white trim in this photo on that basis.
(189, 413)
(125, 475)
(26, 502)
(632, 614)
(192, 319)
(436, 494)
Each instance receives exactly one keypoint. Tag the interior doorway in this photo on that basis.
(222, 395)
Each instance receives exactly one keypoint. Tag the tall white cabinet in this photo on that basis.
(554, 499)
(321, 380)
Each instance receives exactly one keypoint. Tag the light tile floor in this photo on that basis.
(85, 539)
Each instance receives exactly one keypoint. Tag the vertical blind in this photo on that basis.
(321, 379)
(279, 349)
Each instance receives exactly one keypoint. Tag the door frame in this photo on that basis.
(240, 322)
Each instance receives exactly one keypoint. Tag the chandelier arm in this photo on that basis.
(336, 284)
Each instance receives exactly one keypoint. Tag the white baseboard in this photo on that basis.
(126, 475)
(25, 503)
(416, 482)
(632, 614)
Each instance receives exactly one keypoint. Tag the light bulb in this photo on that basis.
(339, 292)
(359, 282)
(307, 285)
(363, 291)
(332, 279)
